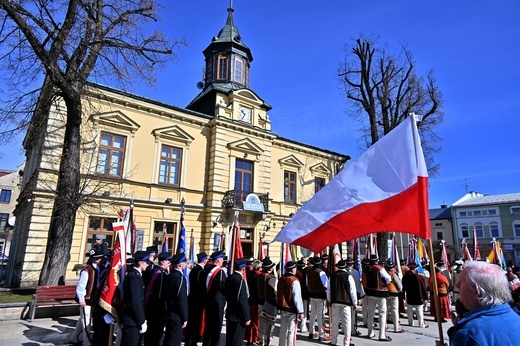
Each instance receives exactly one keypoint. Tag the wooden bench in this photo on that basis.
(52, 296)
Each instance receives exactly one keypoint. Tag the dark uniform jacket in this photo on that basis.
(415, 288)
(237, 293)
(155, 293)
(133, 297)
(177, 297)
(315, 287)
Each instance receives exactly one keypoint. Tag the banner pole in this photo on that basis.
(433, 275)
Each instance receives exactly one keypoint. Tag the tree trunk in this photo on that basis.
(382, 245)
(67, 200)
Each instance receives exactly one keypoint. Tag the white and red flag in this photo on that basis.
(384, 190)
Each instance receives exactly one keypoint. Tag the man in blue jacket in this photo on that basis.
(484, 291)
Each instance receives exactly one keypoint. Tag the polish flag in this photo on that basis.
(384, 190)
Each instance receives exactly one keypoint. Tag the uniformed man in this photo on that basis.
(196, 299)
(176, 302)
(301, 274)
(133, 318)
(290, 304)
(215, 284)
(360, 294)
(343, 298)
(267, 289)
(317, 283)
(392, 301)
(155, 302)
(376, 279)
(237, 311)
(86, 290)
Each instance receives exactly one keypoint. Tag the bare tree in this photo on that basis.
(382, 89)
(60, 45)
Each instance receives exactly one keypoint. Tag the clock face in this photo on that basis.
(244, 114)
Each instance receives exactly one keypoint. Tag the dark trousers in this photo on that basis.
(213, 325)
(173, 333)
(193, 328)
(101, 329)
(155, 331)
(235, 333)
(130, 336)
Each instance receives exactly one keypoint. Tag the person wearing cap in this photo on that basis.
(290, 303)
(155, 300)
(325, 263)
(354, 273)
(86, 295)
(392, 301)
(196, 301)
(416, 295)
(266, 284)
(214, 281)
(252, 330)
(237, 311)
(343, 297)
(301, 274)
(152, 252)
(455, 278)
(176, 302)
(100, 246)
(375, 281)
(133, 318)
(317, 283)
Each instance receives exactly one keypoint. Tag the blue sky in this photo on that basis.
(472, 46)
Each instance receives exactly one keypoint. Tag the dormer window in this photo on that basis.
(222, 67)
(238, 75)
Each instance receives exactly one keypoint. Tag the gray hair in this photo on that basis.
(489, 282)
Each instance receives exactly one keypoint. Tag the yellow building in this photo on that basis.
(218, 154)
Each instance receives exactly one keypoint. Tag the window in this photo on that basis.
(437, 224)
(319, 183)
(3, 220)
(111, 154)
(440, 236)
(222, 67)
(243, 178)
(165, 231)
(289, 186)
(492, 211)
(239, 70)
(464, 231)
(102, 226)
(5, 196)
(493, 230)
(477, 213)
(516, 228)
(170, 165)
(462, 214)
(515, 210)
(480, 231)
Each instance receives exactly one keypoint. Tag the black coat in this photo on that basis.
(177, 297)
(133, 296)
(415, 288)
(237, 293)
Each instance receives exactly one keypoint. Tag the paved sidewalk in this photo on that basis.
(56, 331)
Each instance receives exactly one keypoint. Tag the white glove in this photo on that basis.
(144, 327)
(109, 319)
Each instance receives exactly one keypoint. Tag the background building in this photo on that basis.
(218, 154)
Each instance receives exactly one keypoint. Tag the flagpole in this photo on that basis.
(435, 291)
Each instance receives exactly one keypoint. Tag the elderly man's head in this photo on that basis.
(483, 284)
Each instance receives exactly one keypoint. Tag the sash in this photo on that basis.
(150, 286)
(209, 280)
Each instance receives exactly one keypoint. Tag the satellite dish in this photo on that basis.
(200, 85)
(12, 220)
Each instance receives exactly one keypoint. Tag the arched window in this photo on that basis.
(238, 75)
(222, 70)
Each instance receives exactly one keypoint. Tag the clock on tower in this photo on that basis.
(244, 114)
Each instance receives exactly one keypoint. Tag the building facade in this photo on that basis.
(493, 216)
(218, 154)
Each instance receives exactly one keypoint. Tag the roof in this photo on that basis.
(490, 199)
(440, 213)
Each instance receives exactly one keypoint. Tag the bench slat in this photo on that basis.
(53, 296)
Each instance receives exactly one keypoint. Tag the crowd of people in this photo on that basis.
(164, 307)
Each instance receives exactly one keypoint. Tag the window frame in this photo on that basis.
(171, 235)
(107, 232)
(4, 218)
(476, 227)
(5, 195)
(222, 67)
(111, 149)
(463, 213)
(477, 212)
(464, 228)
(170, 160)
(240, 192)
(287, 184)
(498, 235)
(317, 185)
(238, 71)
(514, 210)
(516, 227)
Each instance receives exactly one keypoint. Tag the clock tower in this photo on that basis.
(225, 89)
